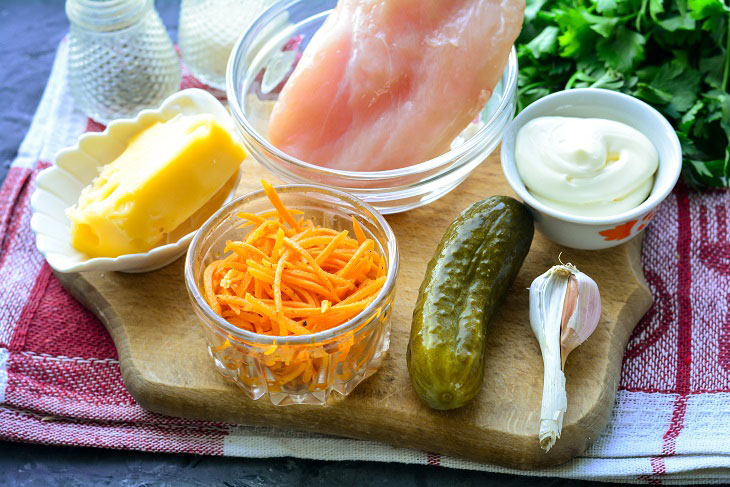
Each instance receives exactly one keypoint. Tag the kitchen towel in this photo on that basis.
(60, 381)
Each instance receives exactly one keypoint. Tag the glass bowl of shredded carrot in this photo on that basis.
(294, 287)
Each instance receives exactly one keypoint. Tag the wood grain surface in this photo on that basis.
(167, 369)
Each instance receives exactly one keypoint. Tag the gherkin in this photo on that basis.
(474, 265)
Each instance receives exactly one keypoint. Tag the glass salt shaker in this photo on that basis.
(209, 29)
(121, 59)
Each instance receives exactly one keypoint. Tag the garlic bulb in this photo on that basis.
(565, 307)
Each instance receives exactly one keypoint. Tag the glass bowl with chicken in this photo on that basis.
(394, 101)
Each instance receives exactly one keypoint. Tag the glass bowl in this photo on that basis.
(341, 357)
(263, 59)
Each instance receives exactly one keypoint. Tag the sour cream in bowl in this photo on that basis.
(585, 166)
(591, 164)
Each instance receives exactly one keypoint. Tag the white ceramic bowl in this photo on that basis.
(59, 186)
(593, 233)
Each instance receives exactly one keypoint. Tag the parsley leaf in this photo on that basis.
(546, 42)
(531, 9)
(606, 5)
(623, 51)
(701, 9)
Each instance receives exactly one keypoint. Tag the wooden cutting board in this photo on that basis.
(167, 369)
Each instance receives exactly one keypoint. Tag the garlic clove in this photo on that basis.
(581, 312)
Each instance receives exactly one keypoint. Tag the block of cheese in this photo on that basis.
(166, 173)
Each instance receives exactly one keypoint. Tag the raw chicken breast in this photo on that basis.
(390, 83)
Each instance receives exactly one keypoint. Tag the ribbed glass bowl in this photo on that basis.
(341, 357)
(264, 57)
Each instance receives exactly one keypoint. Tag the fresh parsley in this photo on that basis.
(673, 54)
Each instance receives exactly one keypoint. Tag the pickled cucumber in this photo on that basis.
(474, 265)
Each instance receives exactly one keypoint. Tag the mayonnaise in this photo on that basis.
(585, 166)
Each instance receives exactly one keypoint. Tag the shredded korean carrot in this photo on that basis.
(358, 230)
(284, 213)
(289, 274)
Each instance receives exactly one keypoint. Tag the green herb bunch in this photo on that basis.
(675, 55)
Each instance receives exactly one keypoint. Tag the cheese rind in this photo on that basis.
(166, 173)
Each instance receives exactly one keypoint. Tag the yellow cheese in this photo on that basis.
(166, 173)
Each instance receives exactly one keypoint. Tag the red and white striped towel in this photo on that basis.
(60, 381)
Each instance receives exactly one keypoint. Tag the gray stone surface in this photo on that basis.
(36, 465)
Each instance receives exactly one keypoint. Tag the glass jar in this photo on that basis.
(209, 29)
(304, 369)
(121, 59)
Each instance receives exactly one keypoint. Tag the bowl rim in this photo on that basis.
(314, 338)
(160, 255)
(580, 96)
(236, 59)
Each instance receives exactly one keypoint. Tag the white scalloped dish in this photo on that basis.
(59, 186)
